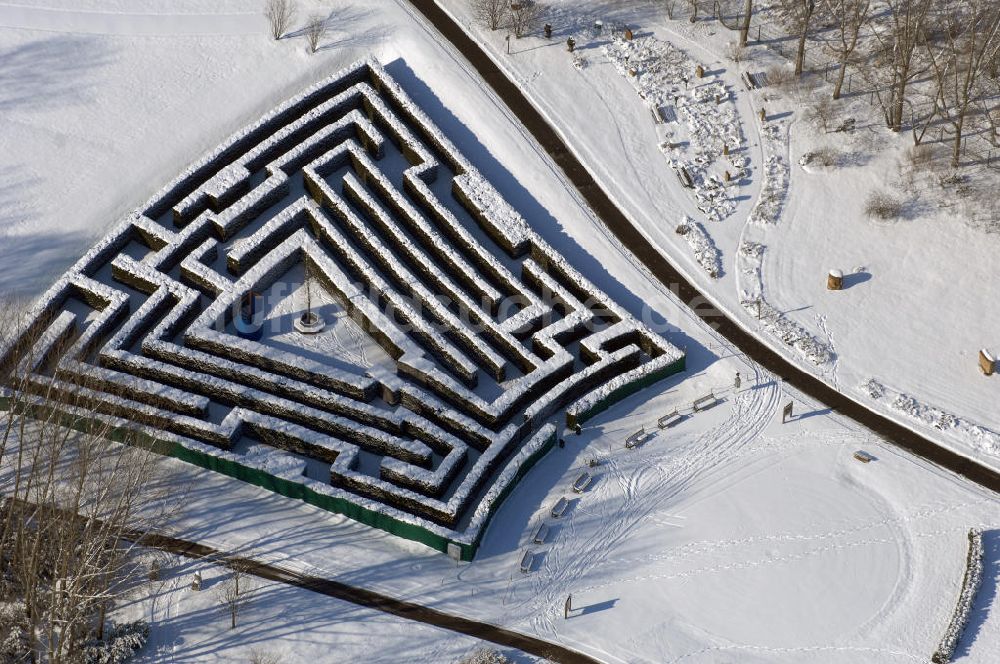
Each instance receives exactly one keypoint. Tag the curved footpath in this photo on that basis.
(663, 270)
(373, 600)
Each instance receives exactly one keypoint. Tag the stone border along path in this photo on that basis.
(658, 263)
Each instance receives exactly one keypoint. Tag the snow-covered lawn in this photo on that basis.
(278, 623)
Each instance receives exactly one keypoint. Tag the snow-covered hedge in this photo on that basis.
(971, 581)
(955, 427)
(706, 253)
(120, 644)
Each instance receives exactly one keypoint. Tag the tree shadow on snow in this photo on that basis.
(50, 72)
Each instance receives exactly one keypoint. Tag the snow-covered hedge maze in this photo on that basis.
(454, 338)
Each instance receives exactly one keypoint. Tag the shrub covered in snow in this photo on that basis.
(119, 645)
(970, 586)
(882, 205)
(485, 656)
(705, 252)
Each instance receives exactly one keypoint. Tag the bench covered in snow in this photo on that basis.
(685, 177)
(752, 81)
(863, 456)
(582, 482)
(705, 402)
(526, 560)
(541, 532)
(669, 420)
(664, 114)
(559, 508)
(635, 439)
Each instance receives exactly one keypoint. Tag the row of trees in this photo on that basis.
(281, 14)
(923, 61)
(521, 17)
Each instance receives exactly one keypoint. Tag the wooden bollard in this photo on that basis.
(763, 115)
(835, 280)
(987, 363)
(628, 34)
(699, 71)
(725, 149)
(632, 71)
(727, 176)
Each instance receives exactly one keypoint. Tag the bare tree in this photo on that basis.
(797, 15)
(279, 15)
(894, 67)
(694, 4)
(234, 591)
(264, 657)
(525, 16)
(670, 6)
(74, 502)
(490, 13)
(971, 39)
(848, 17)
(745, 25)
(316, 28)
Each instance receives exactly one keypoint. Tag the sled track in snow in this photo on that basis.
(647, 480)
(630, 236)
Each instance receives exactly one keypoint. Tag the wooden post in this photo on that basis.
(763, 115)
(699, 71)
(987, 363)
(628, 34)
(786, 414)
(727, 176)
(835, 280)
(567, 607)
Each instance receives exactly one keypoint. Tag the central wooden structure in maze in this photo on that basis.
(489, 334)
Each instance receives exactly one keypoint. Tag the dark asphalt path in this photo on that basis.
(373, 600)
(665, 272)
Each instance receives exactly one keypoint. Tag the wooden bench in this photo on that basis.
(526, 560)
(582, 482)
(863, 456)
(705, 402)
(669, 420)
(559, 508)
(685, 177)
(635, 439)
(665, 114)
(541, 532)
(754, 81)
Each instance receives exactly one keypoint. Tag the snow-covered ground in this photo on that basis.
(279, 622)
(915, 309)
(727, 537)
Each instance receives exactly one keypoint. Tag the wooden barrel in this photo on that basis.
(835, 280)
